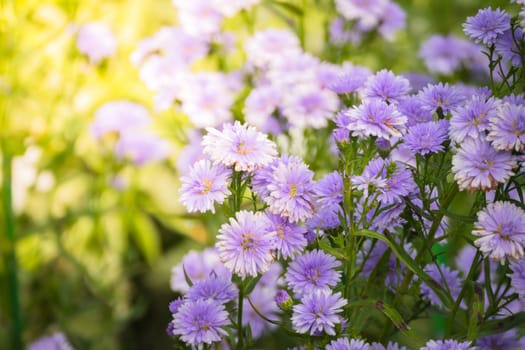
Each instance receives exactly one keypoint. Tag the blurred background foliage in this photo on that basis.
(96, 237)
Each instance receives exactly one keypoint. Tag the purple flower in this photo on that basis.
(386, 86)
(245, 244)
(311, 271)
(199, 17)
(329, 190)
(259, 107)
(119, 117)
(394, 19)
(200, 322)
(417, 81)
(290, 190)
(392, 180)
(347, 344)
(472, 120)
(369, 12)
(198, 266)
(190, 154)
(206, 184)
(262, 298)
(427, 137)
(341, 132)
(141, 147)
(517, 277)
(351, 79)
(239, 146)
(501, 228)
(174, 305)
(508, 49)
(389, 346)
(507, 128)
(440, 96)
(283, 300)
(56, 341)
(504, 340)
(340, 34)
(487, 25)
(448, 344)
(325, 217)
(414, 110)
(289, 237)
(217, 288)
(478, 166)
(376, 118)
(307, 105)
(96, 40)
(318, 313)
(446, 278)
(268, 45)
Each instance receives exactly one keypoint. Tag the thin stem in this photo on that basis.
(240, 341)
(10, 257)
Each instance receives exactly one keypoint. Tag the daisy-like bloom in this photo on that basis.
(290, 191)
(340, 34)
(267, 45)
(517, 277)
(441, 96)
(56, 341)
(351, 79)
(348, 344)
(96, 40)
(289, 237)
(424, 138)
(389, 346)
(341, 132)
(367, 12)
(309, 106)
(478, 166)
(245, 244)
(386, 86)
(200, 322)
(487, 25)
(376, 118)
(239, 146)
(414, 110)
(394, 19)
(311, 271)
(259, 107)
(141, 147)
(318, 312)
(501, 228)
(174, 305)
(445, 277)
(199, 266)
(119, 117)
(329, 190)
(504, 340)
(199, 17)
(217, 288)
(448, 344)
(507, 128)
(205, 185)
(391, 179)
(471, 120)
(262, 298)
(325, 217)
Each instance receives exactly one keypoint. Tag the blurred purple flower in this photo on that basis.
(507, 47)
(517, 277)
(56, 341)
(389, 346)
(259, 107)
(352, 78)
(446, 54)
(265, 46)
(96, 40)
(446, 278)
(120, 117)
(393, 20)
(347, 344)
(262, 298)
(368, 12)
(448, 344)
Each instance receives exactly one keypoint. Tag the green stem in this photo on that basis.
(10, 257)
(240, 341)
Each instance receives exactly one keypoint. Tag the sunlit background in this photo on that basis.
(97, 233)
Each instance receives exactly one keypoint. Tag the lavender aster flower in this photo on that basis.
(504, 340)
(174, 305)
(267, 45)
(217, 288)
(311, 271)
(368, 12)
(386, 86)
(448, 344)
(206, 184)
(351, 79)
(477, 165)
(56, 341)
(487, 25)
(414, 110)
(376, 118)
(507, 128)
(394, 19)
(245, 244)
(200, 322)
(508, 49)
(446, 278)
(291, 191)
(259, 107)
(347, 344)
(472, 120)
(96, 40)
(283, 300)
(141, 147)
(440, 96)
(501, 228)
(239, 146)
(517, 277)
(427, 137)
(389, 346)
(318, 312)
(119, 116)
(289, 237)
(329, 190)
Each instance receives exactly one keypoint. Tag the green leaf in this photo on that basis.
(252, 282)
(476, 315)
(412, 265)
(502, 325)
(287, 6)
(186, 277)
(146, 237)
(325, 245)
